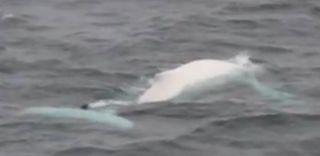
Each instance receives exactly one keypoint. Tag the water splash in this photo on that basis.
(242, 59)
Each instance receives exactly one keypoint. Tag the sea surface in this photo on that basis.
(66, 53)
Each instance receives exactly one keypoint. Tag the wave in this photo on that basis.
(260, 7)
(84, 151)
(260, 121)
(259, 133)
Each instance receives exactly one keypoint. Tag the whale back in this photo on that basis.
(199, 75)
(165, 86)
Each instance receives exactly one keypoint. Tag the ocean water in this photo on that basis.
(65, 53)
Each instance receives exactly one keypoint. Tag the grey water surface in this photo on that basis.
(65, 53)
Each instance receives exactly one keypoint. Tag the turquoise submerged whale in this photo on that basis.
(108, 116)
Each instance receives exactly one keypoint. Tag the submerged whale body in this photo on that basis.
(108, 116)
(196, 77)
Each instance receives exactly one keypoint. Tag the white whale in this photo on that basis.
(194, 78)
(189, 81)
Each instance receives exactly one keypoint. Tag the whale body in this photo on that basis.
(196, 77)
(188, 82)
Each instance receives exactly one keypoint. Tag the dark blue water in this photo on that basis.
(65, 53)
